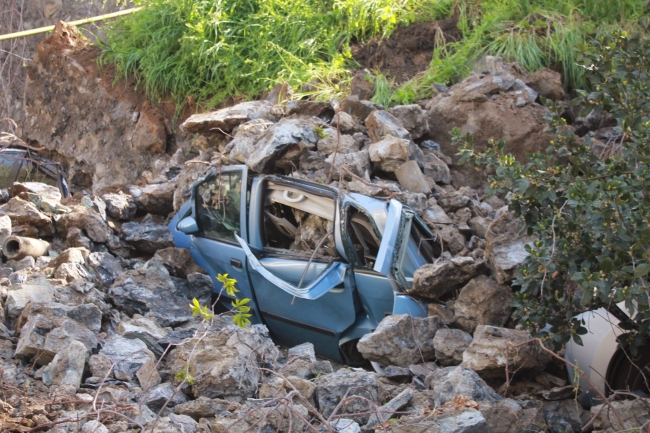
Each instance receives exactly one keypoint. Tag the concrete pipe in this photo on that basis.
(18, 247)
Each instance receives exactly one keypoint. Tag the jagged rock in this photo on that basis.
(450, 345)
(468, 421)
(560, 416)
(505, 247)
(452, 201)
(303, 107)
(477, 89)
(362, 85)
(501, 416)
(358, 163)
(157, 397)
(386, 411)
(434, 214)
(71, 255)
(451, 382)
(413, 118)
(24, 263)
(547, 83)
(157, 199)
(150, 292)
(148, 375)
(128, 355)
(398, 374)
(482, 302)
(436, 169)
(333, 387)
(178, 261)
(201, 287)
(479, 225)
(230, 357)
(100, 365)
(437, 279)
(381, 124)
(5, 229)
(228, 118)
(89, 315)
(76, 239)
(45, 336)
(73, 272)
(143, 329)
(390, 153)
(202, 407)
(357, 108)
(67, 367)
(332, 142)
(19, 295)
(346, 123)
(401, 340)
(23, 213)
(267, 419)
(445, 312)
(104, 266)
(87, 219)
(305, 387)
(345, 425)
(487, 355)
(411, 178)
(43, 190)
(271, 146)
(147, 237)
(94, 426)
(120, 206)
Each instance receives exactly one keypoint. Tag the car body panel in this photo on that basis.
(330, 301)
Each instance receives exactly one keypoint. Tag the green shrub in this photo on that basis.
(591, 213)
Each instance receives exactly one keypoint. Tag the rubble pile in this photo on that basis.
(96, 333)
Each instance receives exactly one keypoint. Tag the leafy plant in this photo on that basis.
(589, 210)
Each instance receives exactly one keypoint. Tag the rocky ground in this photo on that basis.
(97, 334)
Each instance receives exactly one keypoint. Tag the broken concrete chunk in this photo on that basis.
(401, 340)
(505, 247)
(487, 355)
(227, 118)
(381, 124)
(482, 302)
(450, 345)
(411, 178)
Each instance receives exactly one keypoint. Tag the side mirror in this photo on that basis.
(188, 225)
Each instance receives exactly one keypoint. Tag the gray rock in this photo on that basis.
(468, 421)
(157, 397)
(227, 361)
(487, 355)
(228, 118)
(120, 206)
(303, 107)
(390, 153)
(333, 387)
(450, 345)
(358, 163)
(413, 118)
(386, 411)
(358, 109)
(20, 295)
(438, 279)
(183, 423)
(505, 247)
(104, 266)
(411, 178)
(332, 142)
(128, 355)
(434, 214)
(482, 302)
(398, 374)
(275, 141)
(71, 255)
(73, 272)
(156, 199)
(67, 367)
(346, 123)
(479, 225)
(381, 124)
(436, 169)
(345, 425)
(401, 340)
(450, 382)
(94, 426)
(476, 89)
(143, 329)
(201, 287)
(501, 416)
(100, 365)
(147, 237)
(5, 229)
(177, 261)
(452, 201)
(445, 312)
(202, 407)
(87, 219)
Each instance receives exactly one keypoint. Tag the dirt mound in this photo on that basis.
(408, 50)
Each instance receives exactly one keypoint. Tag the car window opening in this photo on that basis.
(297, 221)
(363, 237)
(218, 204)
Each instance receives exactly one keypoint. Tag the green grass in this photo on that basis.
(217, 50)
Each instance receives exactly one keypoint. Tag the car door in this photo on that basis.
(218, 217)
(301, 297)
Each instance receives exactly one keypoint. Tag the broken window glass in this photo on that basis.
(218, 204)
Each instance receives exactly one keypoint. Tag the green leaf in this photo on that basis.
(641, 270)
(606, 265)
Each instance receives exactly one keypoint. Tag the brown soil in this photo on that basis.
(408, 51)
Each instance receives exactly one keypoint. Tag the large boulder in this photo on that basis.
(482, 302)
(401, 340)
(437, 279)
(24, 216)
(357, 162)
(128, 355)
(413, 118)
(449, 345)
(104, 266)
(177, 261)
(332, 388)
(505, 247)
(228, 118)
(226, 361)
(143, 329)
(381, 124)
(19, 295)
(67, 367)
(491, 351)
(339, 143)
(390, 153)
(147, 237)
(87, 219)
(157, 199)
(120, 206)
(451, 382)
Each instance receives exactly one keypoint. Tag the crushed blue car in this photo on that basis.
(318, 265)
